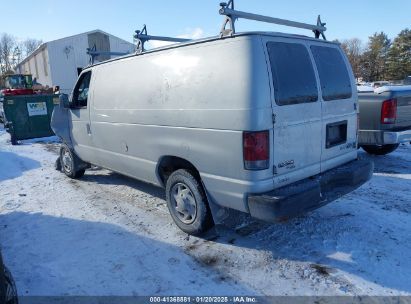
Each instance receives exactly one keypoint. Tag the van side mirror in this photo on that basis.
(64, 101)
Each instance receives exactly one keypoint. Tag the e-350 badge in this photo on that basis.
(289, 164)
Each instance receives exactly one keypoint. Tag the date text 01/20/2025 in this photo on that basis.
(205, 299)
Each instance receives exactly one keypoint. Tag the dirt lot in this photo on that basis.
(106, 234)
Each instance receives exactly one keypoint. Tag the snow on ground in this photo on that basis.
(106, 234)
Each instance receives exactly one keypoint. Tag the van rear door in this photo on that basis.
(339, 105)
(296, 110)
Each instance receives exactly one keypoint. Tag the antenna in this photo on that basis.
(227, 9)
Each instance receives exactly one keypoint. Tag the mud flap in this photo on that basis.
(225, 219)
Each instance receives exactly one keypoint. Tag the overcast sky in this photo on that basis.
(48, 20)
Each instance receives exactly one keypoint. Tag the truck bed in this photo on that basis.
(371, 130)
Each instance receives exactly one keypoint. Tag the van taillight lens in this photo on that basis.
(256, 149)
(389, 111)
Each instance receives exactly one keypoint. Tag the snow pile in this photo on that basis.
(110, 235)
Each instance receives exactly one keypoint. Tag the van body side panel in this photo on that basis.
(192, 102)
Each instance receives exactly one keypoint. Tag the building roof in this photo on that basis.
(42, 46)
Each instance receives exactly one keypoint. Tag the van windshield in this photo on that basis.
(334, 78)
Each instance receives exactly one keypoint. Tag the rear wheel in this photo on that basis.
(13, 139)
(380, 150)
(70, 163)
(11, 291)
(187, 203)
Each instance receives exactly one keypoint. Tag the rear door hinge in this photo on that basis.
(274, 118)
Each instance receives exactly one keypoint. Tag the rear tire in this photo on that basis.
(11, 290)
(70, 163)
(380, 150)
(187, 203)
(13, 140)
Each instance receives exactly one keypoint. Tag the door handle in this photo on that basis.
(88, 129)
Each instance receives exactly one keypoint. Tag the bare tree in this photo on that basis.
(354, 50)
(11, 52)
(1, 60)
(30, 45)
(7, 47)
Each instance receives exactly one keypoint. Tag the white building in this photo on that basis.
(58, 62)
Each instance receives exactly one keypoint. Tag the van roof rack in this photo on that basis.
(141, 37)
(94, 53)
(232, 15)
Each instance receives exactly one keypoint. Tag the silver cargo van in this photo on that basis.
(260, 122)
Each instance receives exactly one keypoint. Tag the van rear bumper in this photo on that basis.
(383, 137)
(306, 195)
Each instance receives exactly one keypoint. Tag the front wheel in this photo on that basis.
(380, 150)
(187, 203)
(69, 163)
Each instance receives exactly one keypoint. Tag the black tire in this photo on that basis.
(11, 290)
(8, 291)
(13, 139)
(3, 283)
(380, 150)
(70, 163)
(196, 222)
(57, 164)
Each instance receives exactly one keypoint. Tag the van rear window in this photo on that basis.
(293, 74)
(334, 78)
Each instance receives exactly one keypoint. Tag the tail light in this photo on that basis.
(256, 149)
(389, 111)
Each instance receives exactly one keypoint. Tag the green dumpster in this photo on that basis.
(28, 116)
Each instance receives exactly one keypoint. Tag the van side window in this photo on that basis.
(81, 91)
(334, 78)
(293, 73)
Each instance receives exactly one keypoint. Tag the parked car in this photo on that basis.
(385, 119)
(377, 84)
(364, 88)
(263, 123)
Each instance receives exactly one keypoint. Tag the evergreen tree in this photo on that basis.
(399, 56)
(375, 57)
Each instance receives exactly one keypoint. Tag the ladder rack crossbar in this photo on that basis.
(94, 53)
(142, 37)
(239, 14)
(227, 9)
(98, 53)
(160, 38)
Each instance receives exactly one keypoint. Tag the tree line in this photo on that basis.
(380, 58)
(12, 51)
